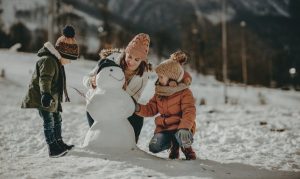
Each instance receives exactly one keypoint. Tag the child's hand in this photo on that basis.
(184, 138)
(93, 81)
(46, 100)
(136, 105)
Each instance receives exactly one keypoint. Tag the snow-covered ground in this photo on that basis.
(257, 135)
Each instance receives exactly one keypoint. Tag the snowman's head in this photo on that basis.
(110, 75)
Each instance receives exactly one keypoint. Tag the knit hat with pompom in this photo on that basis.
(67, 45)
(170, 68)
(180, 57)
(139, 46)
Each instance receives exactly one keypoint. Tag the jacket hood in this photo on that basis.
(49, 49)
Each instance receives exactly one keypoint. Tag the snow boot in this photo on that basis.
(189, 153)
(62, 144)
(56, 151)
(174, 152)
(58, 137)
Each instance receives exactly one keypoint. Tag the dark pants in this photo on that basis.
(137, 124)
(162, 141)
(52, 125)
(135, 121)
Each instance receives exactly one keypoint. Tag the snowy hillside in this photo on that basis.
(157, 12)
(256, 136)
(143, 11)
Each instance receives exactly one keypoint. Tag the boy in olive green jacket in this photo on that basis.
(47, 86)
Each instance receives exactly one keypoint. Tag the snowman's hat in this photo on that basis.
(103, 63)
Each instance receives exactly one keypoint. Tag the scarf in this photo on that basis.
(67, 99)
(63, 84)
(169, 90)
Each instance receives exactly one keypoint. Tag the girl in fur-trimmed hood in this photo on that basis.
(133, 61)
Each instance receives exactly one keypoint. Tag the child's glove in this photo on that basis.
(184, 138)
(46, 100)
(136, 105)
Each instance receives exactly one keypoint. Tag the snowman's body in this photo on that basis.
(110, 106)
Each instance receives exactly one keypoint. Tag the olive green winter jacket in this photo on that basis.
(47, 78)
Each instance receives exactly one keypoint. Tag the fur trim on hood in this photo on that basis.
(52, 50)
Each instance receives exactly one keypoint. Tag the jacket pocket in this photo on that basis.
(166, 122)
(172, 120)
(159, 121)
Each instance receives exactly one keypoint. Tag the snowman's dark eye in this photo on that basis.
(111, 69)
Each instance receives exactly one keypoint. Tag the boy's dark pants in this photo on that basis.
(135, 120)
(52, 125)
(162, 141)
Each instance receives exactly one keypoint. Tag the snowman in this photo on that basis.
(110, 106)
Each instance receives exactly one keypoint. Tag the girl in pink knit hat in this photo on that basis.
(133, 61)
